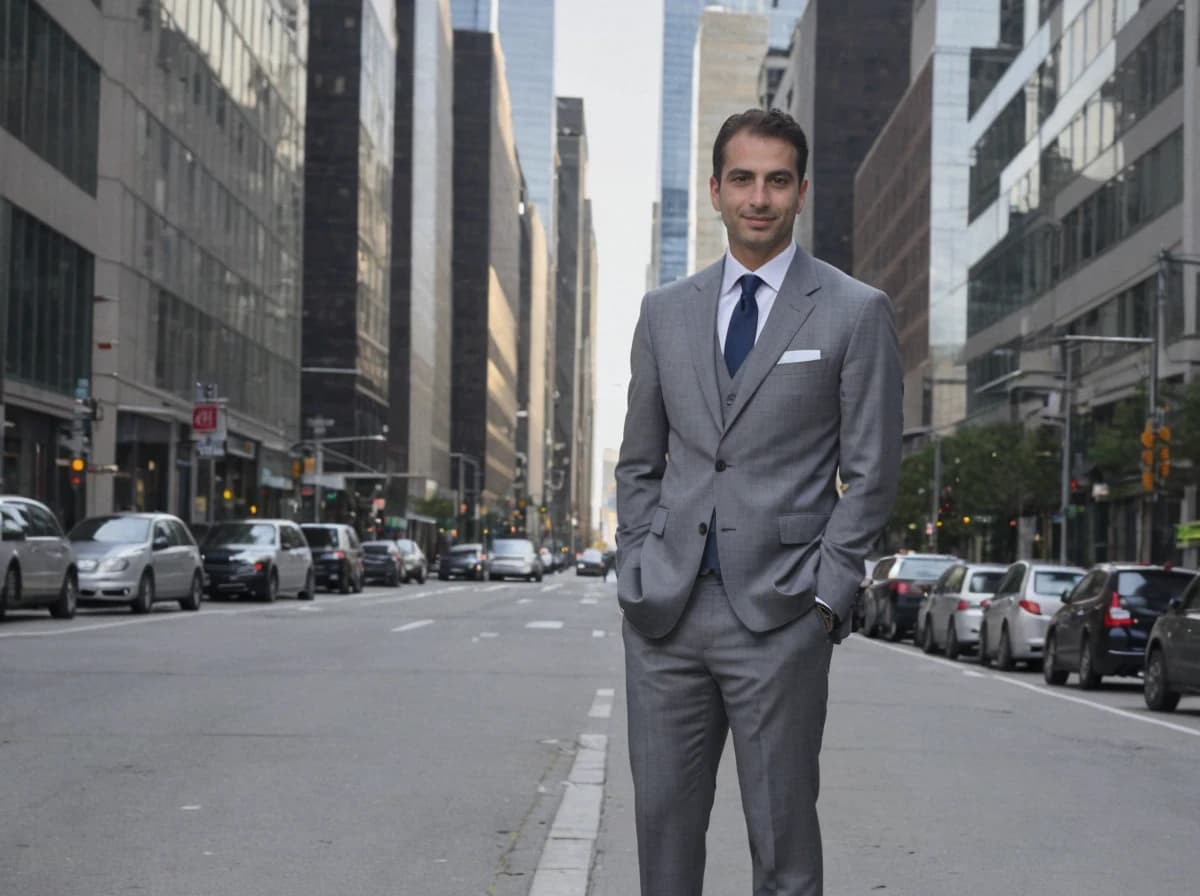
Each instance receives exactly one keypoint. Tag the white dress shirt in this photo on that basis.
(771, 274)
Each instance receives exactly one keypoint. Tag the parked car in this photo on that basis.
(137, 559)
(898, 583)
(547, 558)
(39, 564)
(466, 560)
(1173, 652)
(1017, 616)
(337, 556)
(1103, 626)
(383, 562)
(591, 563)
(416, 566)
(514, 557)
(949, 616)
(264, 558)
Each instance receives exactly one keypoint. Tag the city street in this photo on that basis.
(419, 741)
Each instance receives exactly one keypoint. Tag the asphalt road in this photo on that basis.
(426, 741)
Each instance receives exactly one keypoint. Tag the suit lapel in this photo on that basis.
(702, 331)
(792, 307)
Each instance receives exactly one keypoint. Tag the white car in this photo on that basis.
(949, 616)
(39, 565)
(137, 559)
(1015, 620)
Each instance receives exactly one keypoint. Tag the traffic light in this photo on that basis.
(462, 509)
(1147, 440)
(1164, 453)
(78, 467)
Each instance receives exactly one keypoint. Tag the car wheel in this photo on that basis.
(360, 581)
(1156, 690)
(421, 578)
(346, 584)
(442, 577)
(1004, 654)
(984, 659)
(68, 597)
(394, 579)
(271, 588)
(195, 594)
(927, 643)
(868, 626)
(952, 648)
(891, 628)
(1089, 678)
(1050, 671)
(310, 587)
(143, 601)
(538, 578)
(11, 590)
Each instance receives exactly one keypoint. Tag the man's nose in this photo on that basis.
(758, 195)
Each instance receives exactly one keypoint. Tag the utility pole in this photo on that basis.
(935, 503)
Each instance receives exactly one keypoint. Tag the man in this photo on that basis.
(756, 383)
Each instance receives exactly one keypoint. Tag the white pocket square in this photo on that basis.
(796, 356)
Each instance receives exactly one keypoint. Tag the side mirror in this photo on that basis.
(1066, 595)
(1176, 605)
(161, 543)
(13, 531)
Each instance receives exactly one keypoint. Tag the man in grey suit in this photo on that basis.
(755, 384)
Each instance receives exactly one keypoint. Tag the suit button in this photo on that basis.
(704, 528)
(729, 399)
(720, 466)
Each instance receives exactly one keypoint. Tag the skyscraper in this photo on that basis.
(475, 15)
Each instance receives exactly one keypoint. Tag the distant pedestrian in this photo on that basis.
(755, 382)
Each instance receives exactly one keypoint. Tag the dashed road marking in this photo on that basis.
(525, 600)
(597, 633)
(494, 588)
(489, 634)
(589, 601)
(409, 626)
(546, 588)
(545, 623)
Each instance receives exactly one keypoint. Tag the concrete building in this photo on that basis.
(487, 280)
(164, 194)
(419, 355)
(475, 15)
(1085, 166)
(535, 374)
(585, 377)
(910, 205)
(848, 67)
(681, 22)
(730, 48)
(568, 317)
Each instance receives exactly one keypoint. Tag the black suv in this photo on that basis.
(1173, 655)
(1104, 623)
(337, 556)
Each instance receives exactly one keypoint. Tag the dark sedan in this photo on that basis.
(1104, 623)
(337, 556)
(892, 599)
(382, 562)
(466, 560)
(591, 563)
(1173, 654)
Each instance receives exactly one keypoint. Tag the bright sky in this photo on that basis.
(609, 53)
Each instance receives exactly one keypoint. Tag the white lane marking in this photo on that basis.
(971, 673)
(546, 588)
(602, 705)
(525, 600)
(566, 859)
(409, 626)
(597, 633)
(544, 623)
(489, 634)
(189, 808)
(589, 600)
(1046, 692)
(309, 609)
(606, 692)
(494, 588)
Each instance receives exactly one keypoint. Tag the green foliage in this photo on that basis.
(436, 508)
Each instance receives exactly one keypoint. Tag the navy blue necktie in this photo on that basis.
(739, 339)
(743, 325)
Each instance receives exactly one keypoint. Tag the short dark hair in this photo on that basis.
(762, 123)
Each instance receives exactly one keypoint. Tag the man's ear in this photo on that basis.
(714, 191)
(803, 196)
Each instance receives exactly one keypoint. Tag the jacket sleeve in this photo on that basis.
(869, 448)
(643, 457)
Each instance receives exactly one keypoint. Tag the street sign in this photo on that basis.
(210, 447)
(208, 421)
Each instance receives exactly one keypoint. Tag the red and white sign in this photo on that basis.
(208, 421)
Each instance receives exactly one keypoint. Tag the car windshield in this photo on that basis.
(377, 547)
(925, 568)
(512, 547)
(112, 530)
(320, 536)
(1052, 583)
(406, 547)
(985, 582)
(464, 550)
(591, 555)
(1151, 590)
(262, 534)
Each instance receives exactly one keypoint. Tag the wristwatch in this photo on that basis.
(827, 617)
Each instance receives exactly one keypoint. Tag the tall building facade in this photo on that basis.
(475, 15)
(681, 21)
(730, 47)
(568, 317)
(420, 322)
(535, 372)
(585, 377)
(347, 225)
(1084, 167)
(910, 205)
(527, 37)
(487, 281)
(849, 66)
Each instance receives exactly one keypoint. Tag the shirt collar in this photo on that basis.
(772, 273)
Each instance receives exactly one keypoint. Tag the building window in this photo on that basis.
(49, 91)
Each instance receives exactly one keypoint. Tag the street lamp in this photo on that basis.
(319, 451)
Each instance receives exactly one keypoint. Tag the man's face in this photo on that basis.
(759, 194)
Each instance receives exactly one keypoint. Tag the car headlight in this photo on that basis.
(87, 565)
(115, 564)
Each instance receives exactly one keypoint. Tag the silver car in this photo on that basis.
(1015, 620)
(138, 559)
(949, 616)
(39, 565)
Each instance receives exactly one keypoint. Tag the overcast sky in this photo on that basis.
(609, 53)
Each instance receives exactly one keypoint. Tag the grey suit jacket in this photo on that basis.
(767, 462)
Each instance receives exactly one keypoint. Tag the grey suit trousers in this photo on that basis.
(685, 692)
